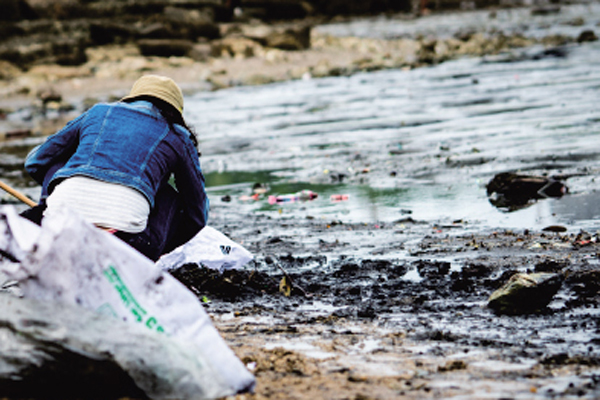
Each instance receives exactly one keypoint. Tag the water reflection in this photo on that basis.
(425, 141)
(429, 139)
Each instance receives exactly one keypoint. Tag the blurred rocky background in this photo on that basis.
(34, 32)
(51, 50)
(59, 31)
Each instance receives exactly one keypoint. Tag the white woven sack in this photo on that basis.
(75, 263)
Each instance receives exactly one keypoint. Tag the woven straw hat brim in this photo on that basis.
(157, 86)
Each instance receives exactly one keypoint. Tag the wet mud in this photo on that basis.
(382, 325)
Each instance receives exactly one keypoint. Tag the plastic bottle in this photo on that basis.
(303, 195)
(339, 197)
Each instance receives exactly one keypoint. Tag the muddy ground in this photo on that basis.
(395, 308)
(380, 326)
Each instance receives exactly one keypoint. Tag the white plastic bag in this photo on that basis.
(209, 248)
(17, 238)
(76, 263)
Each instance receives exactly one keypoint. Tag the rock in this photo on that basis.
(291, 38)
(51, 350)
(258, 79)
(346, 7)
(25, 54)
(69, 52)
(10, 30)
(110, 32)
(287, 37)
(191, 24)
(587, 36)
(236, 47)
(584, 284)
(200, 52)
(555, 228)
(118, 9)
(51, 73)
(54, 49)
(16, 10)
(57, 9)
(165, 47)
(157, 30)
(545, 10)
(276, 9)
(48, 95)
(525, 293)
(514, 191)
(8, 70)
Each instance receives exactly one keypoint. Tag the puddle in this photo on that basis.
(421, 144)
(425, 141)
(466, 203)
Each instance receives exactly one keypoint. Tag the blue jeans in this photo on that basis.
(166, 228)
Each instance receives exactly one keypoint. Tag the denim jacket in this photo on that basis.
(125, 143)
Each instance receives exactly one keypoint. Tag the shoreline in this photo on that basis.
(385, 310)
(111, 70)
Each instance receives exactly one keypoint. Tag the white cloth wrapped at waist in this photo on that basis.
(108, 205)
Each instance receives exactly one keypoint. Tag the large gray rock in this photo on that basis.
(51, 350)
(525, 293)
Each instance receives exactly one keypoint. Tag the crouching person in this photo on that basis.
(113, 165)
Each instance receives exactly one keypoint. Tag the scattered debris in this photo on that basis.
(339, 197)
(304, 195)
(555, 229)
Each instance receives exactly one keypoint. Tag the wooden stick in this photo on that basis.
(18, 194)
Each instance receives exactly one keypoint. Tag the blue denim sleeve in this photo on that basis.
(56, 149)
(190, 184)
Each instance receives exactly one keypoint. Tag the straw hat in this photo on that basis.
(157, 86)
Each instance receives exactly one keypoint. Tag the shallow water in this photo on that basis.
(568, 20)
(423, 142)
(417, 143)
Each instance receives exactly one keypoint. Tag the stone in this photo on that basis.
(191, 24)
(271, 10)
(525, 293)
(8, 70)
(57, 9)
(200, 52)
(292, 38)
(157, 30)
(584, 284)
(236, 47)
(110, 32)
(513, 191)
(287, 37)
(16, 10)
(545, 10)
(587, 36)
(165, 47)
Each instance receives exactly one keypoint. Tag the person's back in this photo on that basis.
(113, 162)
